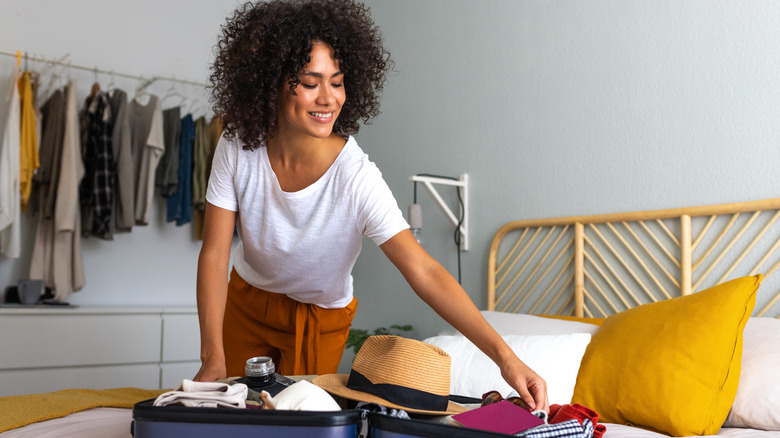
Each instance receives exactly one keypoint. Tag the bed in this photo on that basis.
(664, 322)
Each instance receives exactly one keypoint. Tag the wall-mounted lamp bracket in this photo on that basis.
(463, 186)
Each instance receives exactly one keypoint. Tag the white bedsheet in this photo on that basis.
(115, 423)
(92, 423)
(623, 431)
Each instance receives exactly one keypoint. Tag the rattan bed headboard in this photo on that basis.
(595, 266)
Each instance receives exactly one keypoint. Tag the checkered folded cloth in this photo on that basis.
(566, 429)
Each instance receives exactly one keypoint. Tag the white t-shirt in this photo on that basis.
(305, 243)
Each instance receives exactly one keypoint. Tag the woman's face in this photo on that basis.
(318, 99)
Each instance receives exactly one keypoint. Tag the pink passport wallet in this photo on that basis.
(503, 417)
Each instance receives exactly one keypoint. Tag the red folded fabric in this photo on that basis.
(561, 413)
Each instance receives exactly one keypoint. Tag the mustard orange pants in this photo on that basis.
(301, 338)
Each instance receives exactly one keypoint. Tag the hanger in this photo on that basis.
(199, 106)
(95, 86)
(193, 107)
(56, 76)
(69, 70)
(173, 92)
(111, 85)
(142, 96)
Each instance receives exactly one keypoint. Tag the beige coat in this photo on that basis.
(57, 252)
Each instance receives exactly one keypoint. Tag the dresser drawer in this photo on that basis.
(180, 338)
(16, 382)
(40, 341)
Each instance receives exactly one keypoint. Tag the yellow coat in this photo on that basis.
(28, 153)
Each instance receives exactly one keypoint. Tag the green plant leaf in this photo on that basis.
(357, 337)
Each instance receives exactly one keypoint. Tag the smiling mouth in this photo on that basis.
(322, 115)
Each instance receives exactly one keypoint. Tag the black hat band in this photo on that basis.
(399, 395)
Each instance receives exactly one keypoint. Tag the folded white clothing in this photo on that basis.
(301, 396)
(205, 395)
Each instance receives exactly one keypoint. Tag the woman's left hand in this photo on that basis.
(529, 385)
(442, 292)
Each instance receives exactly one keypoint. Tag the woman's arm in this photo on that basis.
(213, 262)
(431, 282)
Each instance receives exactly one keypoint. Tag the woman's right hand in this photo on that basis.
(211, 290)
(211, 371)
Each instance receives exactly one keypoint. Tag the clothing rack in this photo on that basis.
(145, 81)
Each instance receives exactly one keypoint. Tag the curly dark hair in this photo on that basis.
(265, 44)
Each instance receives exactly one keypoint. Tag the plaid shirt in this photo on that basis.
(566, 429)
(97, 191)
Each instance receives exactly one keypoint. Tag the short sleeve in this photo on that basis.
(221, 190)
(379, 217)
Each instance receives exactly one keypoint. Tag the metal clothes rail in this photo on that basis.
(146, 81)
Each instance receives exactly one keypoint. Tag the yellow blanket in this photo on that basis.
(21, 410)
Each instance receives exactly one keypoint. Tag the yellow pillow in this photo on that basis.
(671, 366)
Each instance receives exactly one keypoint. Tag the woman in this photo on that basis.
(292, 80)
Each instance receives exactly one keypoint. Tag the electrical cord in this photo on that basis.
(457, 235)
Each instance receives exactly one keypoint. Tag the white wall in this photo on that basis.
(553, 108)
(153, 265)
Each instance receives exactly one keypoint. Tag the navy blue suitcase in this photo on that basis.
(178, 421)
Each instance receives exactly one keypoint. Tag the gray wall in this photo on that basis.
(552, 107)
(558, 108)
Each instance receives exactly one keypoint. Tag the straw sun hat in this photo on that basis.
(398, 373)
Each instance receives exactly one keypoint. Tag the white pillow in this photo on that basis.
(757, 404)
(556, 358)
(521, 324)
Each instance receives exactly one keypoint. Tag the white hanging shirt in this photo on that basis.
(10, 146)
(305, 243)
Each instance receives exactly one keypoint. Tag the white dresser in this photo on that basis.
(49, 349)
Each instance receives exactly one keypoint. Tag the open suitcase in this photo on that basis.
(177, 421)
